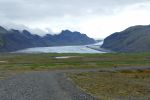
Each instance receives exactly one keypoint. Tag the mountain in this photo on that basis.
(11, 40)
(67, 37)
(132, 39)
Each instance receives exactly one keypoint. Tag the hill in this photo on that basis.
(11, 40)
(132, 39)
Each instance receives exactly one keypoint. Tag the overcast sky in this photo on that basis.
(96, 18)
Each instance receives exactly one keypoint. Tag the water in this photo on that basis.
(60, 49)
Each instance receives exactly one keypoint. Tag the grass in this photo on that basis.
(104, 85)
(48, 61)
(32, 62)
(123, 85)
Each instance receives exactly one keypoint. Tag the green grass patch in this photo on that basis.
(48, 61)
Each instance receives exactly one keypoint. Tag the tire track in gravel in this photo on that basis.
(48, 85)
(40, 86)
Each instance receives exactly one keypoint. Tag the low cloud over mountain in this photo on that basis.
(11, 40)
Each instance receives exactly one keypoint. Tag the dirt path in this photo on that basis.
(40, 86)
(49, 85)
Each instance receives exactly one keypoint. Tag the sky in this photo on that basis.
(96, 18)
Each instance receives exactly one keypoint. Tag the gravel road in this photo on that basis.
(40, 86)
(47, 85)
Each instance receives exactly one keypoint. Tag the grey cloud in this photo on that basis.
(40, 9)
(13, 11)
(20, 27)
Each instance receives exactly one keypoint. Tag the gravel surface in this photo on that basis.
(40, 86)
(47, 85)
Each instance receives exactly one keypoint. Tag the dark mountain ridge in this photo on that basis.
(11, 40)
(132, 39)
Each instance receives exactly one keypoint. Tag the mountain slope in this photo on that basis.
(67, 37)
(133, 39)
(11, 40)
(2, 31)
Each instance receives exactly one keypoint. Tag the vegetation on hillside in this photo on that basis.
(132, 39)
